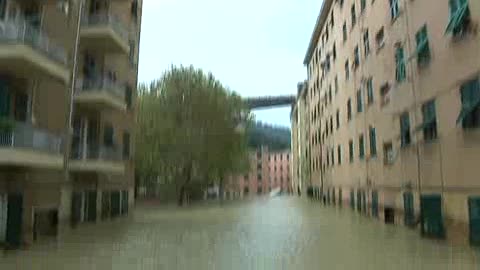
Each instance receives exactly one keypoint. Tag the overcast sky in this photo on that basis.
(255, 47)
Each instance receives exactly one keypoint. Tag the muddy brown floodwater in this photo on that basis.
(277, 233)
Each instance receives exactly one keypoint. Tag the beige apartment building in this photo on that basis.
(394, 106)
(66, 156)
(300, 124)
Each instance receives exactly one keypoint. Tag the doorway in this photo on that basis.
(389, 213)
(474, 220)
(409, 218)
(431, 217)
(375, 203)
(45, 223)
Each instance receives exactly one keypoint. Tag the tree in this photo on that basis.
(187, 130)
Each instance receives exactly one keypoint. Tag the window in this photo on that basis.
(336, 84)
(373, 141)
(21, 106)
(423, 49)
(128, 97)
(370, 97)
(245, 177)
(245, 190)
(361, 147)
(126, 145)
(394, 10)
(400, 73)
(363, 5)
(108, 135)
(288, 157)
(334, 52)
(353, 15)
(459, 17)
(332, 152)
(339, 154)
(384, 94)
(405, 129)
(3, 9)
(356, 57)
(338, 118)
(347, 71)
(259, 177)
(344, 31)
(350, 150)
(388, 153)
(259, 190)
(331, 124)
(366, 43)
(349, 109)
(429, 125)
(341, 3)
(332, 22)
(131, 55)
(330, 93)
(380, 38)
(359, 101)
(5, 99)
(134, 9)
(470, 112)
(328, 159)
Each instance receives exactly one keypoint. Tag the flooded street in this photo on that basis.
(278, 233)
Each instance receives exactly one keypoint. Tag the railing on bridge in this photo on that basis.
(269, 101)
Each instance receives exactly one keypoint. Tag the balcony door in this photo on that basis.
(98, 7)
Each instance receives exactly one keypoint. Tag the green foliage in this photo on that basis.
(187, 128)
(6, 124)
(276, 138)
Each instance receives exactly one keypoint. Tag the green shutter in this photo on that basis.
(400, 64)
(422, 51)
(370, 91)
(458, 13)
(4, 99)
(359, 101)
(373, 142)
(474, 217)
(361, 147)
(470, 98)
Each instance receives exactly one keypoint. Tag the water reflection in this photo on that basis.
(279, 233)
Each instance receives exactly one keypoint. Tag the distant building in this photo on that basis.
(268, 170)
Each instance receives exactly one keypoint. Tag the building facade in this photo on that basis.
(66, 152)
(268, 171)
(300, 146)
(393, 88)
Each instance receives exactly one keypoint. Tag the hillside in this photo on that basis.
(276, 138)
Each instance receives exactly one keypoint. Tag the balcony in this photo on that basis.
(104, 32)
(101, 93)
(26, 51)
(95, 158)
(27, 146)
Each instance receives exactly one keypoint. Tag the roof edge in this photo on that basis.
(322, 16)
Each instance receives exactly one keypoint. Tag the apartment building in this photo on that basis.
(394, 105)
(279, 171)
(268, 171)
(66, 153)
(300, 164)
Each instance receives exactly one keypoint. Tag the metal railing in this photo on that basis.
(95, 152)
(20, 31)
(102, 84)
(26, 136)
(106, 19)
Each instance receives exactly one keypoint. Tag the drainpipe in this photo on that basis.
(69, 131)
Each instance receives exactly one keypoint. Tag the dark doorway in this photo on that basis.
(91, 215)
(409, 218)
(45, 223)
(106, 205)
(340, 197)
(14, 220)
(352, 199)
(389, 213)
(124, 202)
(431, 217)
(474, 216)
(359, 200)
(115, 203)
(375, 203)
(76, 215)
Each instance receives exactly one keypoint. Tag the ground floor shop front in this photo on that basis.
(37, 205)
(451, 214)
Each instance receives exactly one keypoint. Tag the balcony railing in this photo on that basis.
(106, 19)
(21, 32)
(95, 152)
(26, 136)
(102, 84)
